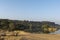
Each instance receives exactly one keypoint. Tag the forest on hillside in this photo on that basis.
(28, 26)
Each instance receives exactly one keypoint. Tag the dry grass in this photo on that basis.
(31, 36)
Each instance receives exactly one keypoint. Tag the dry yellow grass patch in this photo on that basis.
(31, 36)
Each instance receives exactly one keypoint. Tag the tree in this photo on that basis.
(45, 28)
(4, 24)
(11, 26)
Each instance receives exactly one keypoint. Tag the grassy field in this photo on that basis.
(32, 37)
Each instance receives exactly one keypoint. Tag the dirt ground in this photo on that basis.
(32, 37)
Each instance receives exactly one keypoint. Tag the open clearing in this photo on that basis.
(33, 37)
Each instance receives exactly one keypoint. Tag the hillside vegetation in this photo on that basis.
(28, 26)
(28, 30)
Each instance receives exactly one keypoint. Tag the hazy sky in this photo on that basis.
(37, 10)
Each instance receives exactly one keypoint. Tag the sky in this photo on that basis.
(33, 10)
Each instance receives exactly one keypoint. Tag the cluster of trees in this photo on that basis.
(29, 26)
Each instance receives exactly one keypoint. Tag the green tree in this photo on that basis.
(4, 24)
(11, 26)
(45, 28)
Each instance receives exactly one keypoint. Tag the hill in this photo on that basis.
(28, 26)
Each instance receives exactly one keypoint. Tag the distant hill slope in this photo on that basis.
(31, 26)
